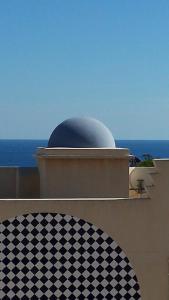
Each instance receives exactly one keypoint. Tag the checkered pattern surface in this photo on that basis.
(54, 256)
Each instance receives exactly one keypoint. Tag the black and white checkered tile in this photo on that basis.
(54, 256)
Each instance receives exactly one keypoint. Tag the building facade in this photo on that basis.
(83, 236)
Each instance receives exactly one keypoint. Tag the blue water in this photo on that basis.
(19, 152)
(156, 148)
(22, 152)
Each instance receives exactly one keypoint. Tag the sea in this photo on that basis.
(22, 153)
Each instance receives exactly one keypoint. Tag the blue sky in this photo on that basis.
(107, 59)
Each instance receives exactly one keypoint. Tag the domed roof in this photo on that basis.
(81, 133)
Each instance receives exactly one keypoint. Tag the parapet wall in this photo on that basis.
(69, 173)
(83, 172)
(140, 226)
(19, 182)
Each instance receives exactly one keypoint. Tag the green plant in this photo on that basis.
(147, 161)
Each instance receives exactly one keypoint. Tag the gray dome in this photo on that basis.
(81, 133)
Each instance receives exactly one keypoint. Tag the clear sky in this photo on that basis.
(107, 59)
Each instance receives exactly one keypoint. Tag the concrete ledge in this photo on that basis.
(80, 199)
(112, 153)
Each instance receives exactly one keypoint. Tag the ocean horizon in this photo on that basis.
(21, 152)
